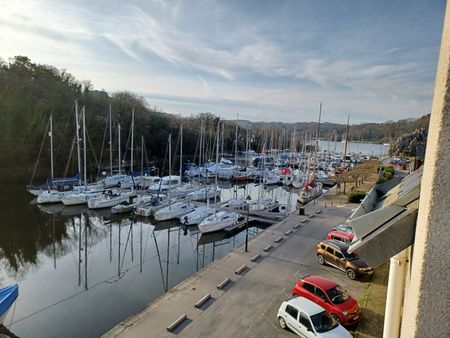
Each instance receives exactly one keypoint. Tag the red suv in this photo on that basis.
(330, 296)
(341, 232)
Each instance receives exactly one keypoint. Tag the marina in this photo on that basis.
(70, 259)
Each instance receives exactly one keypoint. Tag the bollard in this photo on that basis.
(255, 257)
(279, 239)
(240, 269)
(221, 285)
(267, 248)
(287, 233)
(203, 300)
(172, 326)
(318, 211)
(311, 216)
(297, 226)
(304, 220)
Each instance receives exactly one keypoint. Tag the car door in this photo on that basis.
(291, 319)
(306, 327)
(331, 258)
(340, 259)
(322, 299)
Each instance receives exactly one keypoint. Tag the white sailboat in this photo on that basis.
(203, 194)
(218, 221)
(311, 188)
(109, 199)
(158, 202)
(167, 182)
(173, 210)
(128, 206)
(197, 215)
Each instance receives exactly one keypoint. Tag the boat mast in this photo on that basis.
(236, 141)
(142, 155)
(84, 147)
(246, 149)
(181, 151)
(51, 146)
(170, 168)
(132, 141)
(110, 141)
(317, 139)
(346, 138)
(223, 137)
(118, 135)
(217, 163)
(77, 124)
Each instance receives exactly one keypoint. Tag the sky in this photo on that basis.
(264, 60)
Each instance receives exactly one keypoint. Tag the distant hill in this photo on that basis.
(370, 132)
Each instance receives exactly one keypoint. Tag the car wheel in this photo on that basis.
(321, 259)
(282, 323)
(350, 274)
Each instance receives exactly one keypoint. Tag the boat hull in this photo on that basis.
(212, 224)
(8, 296)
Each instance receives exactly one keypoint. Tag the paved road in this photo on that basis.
(247, 307)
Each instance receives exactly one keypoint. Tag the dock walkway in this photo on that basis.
(247, 305)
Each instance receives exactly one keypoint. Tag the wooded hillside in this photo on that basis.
(30, 92)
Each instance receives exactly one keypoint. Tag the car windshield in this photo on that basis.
(350, 256)
(323, 322)
(338, 295)
(344, 228)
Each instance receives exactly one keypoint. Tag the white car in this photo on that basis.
(307, 319)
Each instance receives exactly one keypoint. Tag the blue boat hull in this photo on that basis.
(7, 297)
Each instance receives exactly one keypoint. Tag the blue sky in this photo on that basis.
(263, 60)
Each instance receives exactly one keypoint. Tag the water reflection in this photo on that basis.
(70, 260)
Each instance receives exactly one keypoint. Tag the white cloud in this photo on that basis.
(206, 52)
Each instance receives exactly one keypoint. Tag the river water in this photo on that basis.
(82, 272)
(367, 149)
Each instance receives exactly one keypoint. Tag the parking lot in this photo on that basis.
(246, 306)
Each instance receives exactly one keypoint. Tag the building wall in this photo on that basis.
(427, 297)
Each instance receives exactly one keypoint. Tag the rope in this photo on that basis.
(14, 311)
(70, 156)
(92, 148)
(40, 151)
(103, 145)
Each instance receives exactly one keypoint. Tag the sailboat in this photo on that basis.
(110, 197)
(8, 296)
(176, 209)
(219, 220)
(312, 188)
(197, 215)
(52, 195)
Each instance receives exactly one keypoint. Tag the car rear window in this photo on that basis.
(308, 287)
(292, 311)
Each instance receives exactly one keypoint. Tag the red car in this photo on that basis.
(342, 233)
(330, 296)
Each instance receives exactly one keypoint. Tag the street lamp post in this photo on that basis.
(247, 204)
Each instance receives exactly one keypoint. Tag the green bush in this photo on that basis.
(389, 170)
(356, 197)
(388, 175)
